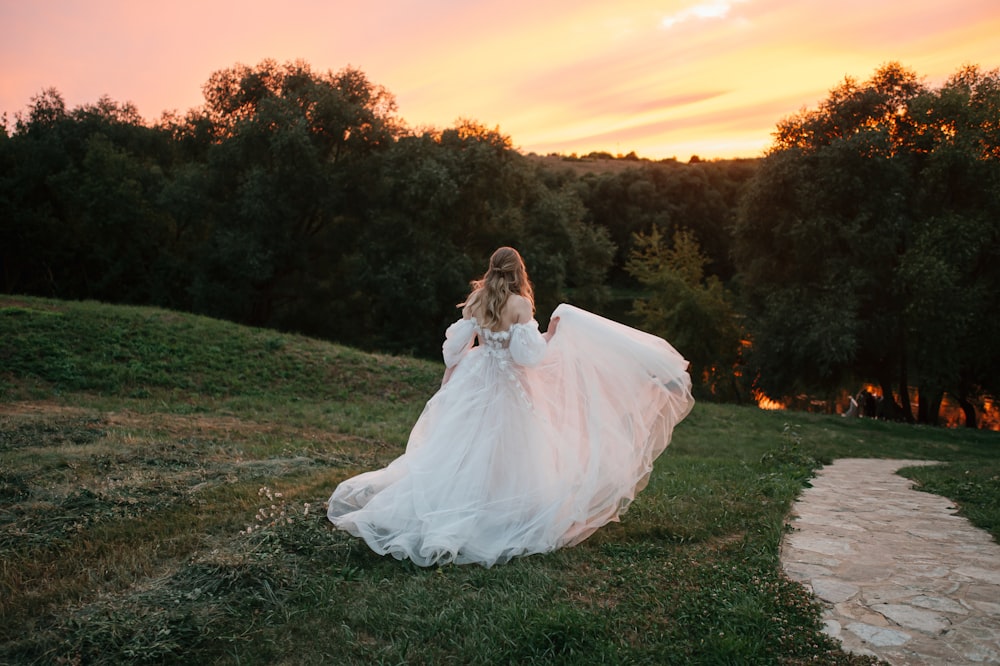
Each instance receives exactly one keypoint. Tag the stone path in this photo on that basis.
(900, 575)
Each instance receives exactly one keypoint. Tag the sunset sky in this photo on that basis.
(667, 78)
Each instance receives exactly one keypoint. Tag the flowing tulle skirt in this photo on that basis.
(508, 460)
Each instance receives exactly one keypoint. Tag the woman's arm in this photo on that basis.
(553, 324)
(457, 341)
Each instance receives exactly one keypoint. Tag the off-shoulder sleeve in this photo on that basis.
(457, 341)
(527, 346)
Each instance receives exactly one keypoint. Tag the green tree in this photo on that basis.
(701, 197)
(80, 200)
(284, 183)
(439, 203)
(952, 265)
(691, 310)
(864, 240)
(34, 253)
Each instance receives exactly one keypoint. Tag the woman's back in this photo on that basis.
(516, 310)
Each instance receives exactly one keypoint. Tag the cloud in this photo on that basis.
(710, 9)
(746, 122)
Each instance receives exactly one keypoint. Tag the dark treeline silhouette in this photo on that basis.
(863, 247)
(867, 244)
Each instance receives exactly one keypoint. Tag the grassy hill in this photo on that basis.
(162, 488)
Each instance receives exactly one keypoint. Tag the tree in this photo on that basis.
(952, 266)
(701, 196)
(691, 310)
(81, 201)
(865, 240)
(285, 176)
(438, 204)
(291, 199)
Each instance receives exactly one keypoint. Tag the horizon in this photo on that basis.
(665, 80)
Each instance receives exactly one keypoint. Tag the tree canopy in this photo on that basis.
(691, 309)
(291, 198)
(866, 241)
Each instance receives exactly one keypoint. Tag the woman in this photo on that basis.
(533, 441)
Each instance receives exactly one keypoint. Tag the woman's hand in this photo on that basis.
(553, 324)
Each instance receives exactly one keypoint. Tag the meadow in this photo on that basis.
(162, 488)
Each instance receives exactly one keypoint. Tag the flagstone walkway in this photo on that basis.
(901, 576)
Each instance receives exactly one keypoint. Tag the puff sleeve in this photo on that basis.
(527, 346)
(457, 341)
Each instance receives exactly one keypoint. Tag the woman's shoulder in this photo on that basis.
(520, 308)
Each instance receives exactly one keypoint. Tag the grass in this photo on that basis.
(162, 488)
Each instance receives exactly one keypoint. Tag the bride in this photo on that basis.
(534, 440)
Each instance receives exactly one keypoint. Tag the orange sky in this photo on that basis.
(668, 78)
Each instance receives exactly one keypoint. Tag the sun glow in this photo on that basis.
(712, 9)
(767, 403)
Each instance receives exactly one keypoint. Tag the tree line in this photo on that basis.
(862, 247)
(867, 243)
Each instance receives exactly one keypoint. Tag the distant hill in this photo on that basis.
(599, 163)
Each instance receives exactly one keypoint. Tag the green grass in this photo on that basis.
(162, 480)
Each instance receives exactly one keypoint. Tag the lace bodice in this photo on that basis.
(495, 340)
(521, 343)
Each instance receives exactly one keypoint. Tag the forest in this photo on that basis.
(862, 250)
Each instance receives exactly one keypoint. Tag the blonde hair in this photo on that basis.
(506, 275)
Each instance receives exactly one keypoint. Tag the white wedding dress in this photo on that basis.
(527, 447)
